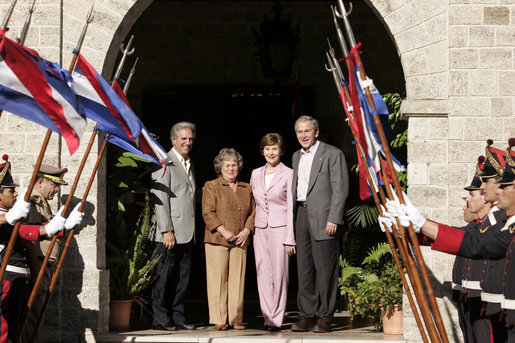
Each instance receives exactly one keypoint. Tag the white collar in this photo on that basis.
(312, 149)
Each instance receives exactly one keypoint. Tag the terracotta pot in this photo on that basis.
(120, 314)
(392, 321)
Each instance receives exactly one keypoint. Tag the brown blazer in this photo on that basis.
(221, 205)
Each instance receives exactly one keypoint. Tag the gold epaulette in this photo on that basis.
(35, 199)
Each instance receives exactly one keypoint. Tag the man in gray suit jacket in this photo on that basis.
(173, 235)
(320, 188)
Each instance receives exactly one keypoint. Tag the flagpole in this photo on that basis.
(44, 264)
(7, 17)
(384, 142)
(131, 74)
(84, 197)
(344, 94)
(25, 29)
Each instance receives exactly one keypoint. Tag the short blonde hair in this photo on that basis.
(224, 155)
(270, 139)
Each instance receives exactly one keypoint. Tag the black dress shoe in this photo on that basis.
(185, 326)
(166, 327)
(322, 326)
(272, 328)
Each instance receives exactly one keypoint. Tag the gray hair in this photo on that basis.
(174, 132)
(224, 155)
(313, 121)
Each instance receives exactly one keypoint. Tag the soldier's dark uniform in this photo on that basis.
(14, 287)
(495, 245)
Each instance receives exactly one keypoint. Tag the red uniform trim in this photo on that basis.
(448, 239)
(29, 232)
(4, 329)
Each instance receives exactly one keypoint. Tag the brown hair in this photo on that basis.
(272, 138)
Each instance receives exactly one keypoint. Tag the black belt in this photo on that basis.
(302, 203)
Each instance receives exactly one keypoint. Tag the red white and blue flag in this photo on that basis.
(32, 90)
(109, 107)
(368, 133)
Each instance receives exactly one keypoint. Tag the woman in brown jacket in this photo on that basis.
(228, 210)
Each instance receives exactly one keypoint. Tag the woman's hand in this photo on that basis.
(226, 234)
(241, 238)
(289, 249)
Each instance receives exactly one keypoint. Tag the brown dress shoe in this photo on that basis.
(220, 327)
(239, 327)
(303, 325)
(322, 326)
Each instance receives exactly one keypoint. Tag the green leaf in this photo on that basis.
(126, 162)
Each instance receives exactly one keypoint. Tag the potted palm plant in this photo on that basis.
(374, 288)
(128, 224)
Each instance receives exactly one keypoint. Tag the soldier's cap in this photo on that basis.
(53, 174)
(476, 180)
(509, 169)
(6, 178)
(494, 162)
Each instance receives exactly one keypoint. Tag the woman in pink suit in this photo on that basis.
(274, 240)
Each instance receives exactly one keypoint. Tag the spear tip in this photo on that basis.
(90, 16)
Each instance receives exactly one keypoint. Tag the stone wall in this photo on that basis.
(457, 68)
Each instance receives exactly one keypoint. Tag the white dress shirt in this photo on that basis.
(306, 160)
(186, 164)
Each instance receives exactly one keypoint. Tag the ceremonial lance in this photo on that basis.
(44, 264)
(413, 238)
(55, 276)
(343, 92)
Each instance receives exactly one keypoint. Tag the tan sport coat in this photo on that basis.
(221, 205)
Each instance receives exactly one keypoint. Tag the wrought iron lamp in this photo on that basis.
(277, 44)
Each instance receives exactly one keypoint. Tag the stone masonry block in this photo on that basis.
(429, 8)
(496, 58)
(505, 35)
(508, 128)
(470, 107)
(427, 151)
(501, 107)
(506, 83)
(431, 31)
(437, 173)
(433, 86)
(463, 58)
(414, 63)
(481, 36)
(12, 143)
(386, 7)
(456, 195)
(417, 173)
(458, 82)
(456, 128)
(458, 36)
(417, 128)
(483, 2)
(457, 174)
(405, 17)
(455, 215)
(19, 124)
(466, 151)
(427, 196)
(483, 82)
(496, 15)
(437, 128)
(465, 14)
(46, 15)
(437, 57)
(439, 215)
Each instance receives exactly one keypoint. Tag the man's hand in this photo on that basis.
(289, 250)
(74, 219)
(56, 224)
(19, 210)
(241, 237)
(169, 240)
(330, 228)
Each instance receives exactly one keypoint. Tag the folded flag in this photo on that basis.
(30, 89)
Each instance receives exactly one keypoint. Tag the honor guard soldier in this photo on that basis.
(48, 183)
(14, 287)
(493, 244)
(459, 269)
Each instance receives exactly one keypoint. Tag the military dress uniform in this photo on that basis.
(40, 214)
(14, 287)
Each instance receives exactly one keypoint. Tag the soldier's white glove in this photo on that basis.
(19, 210)
(56, 224)
(385, 220)
(414, 216)
(395, 210)
(74, 218)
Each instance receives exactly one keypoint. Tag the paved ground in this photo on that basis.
(345, 330)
